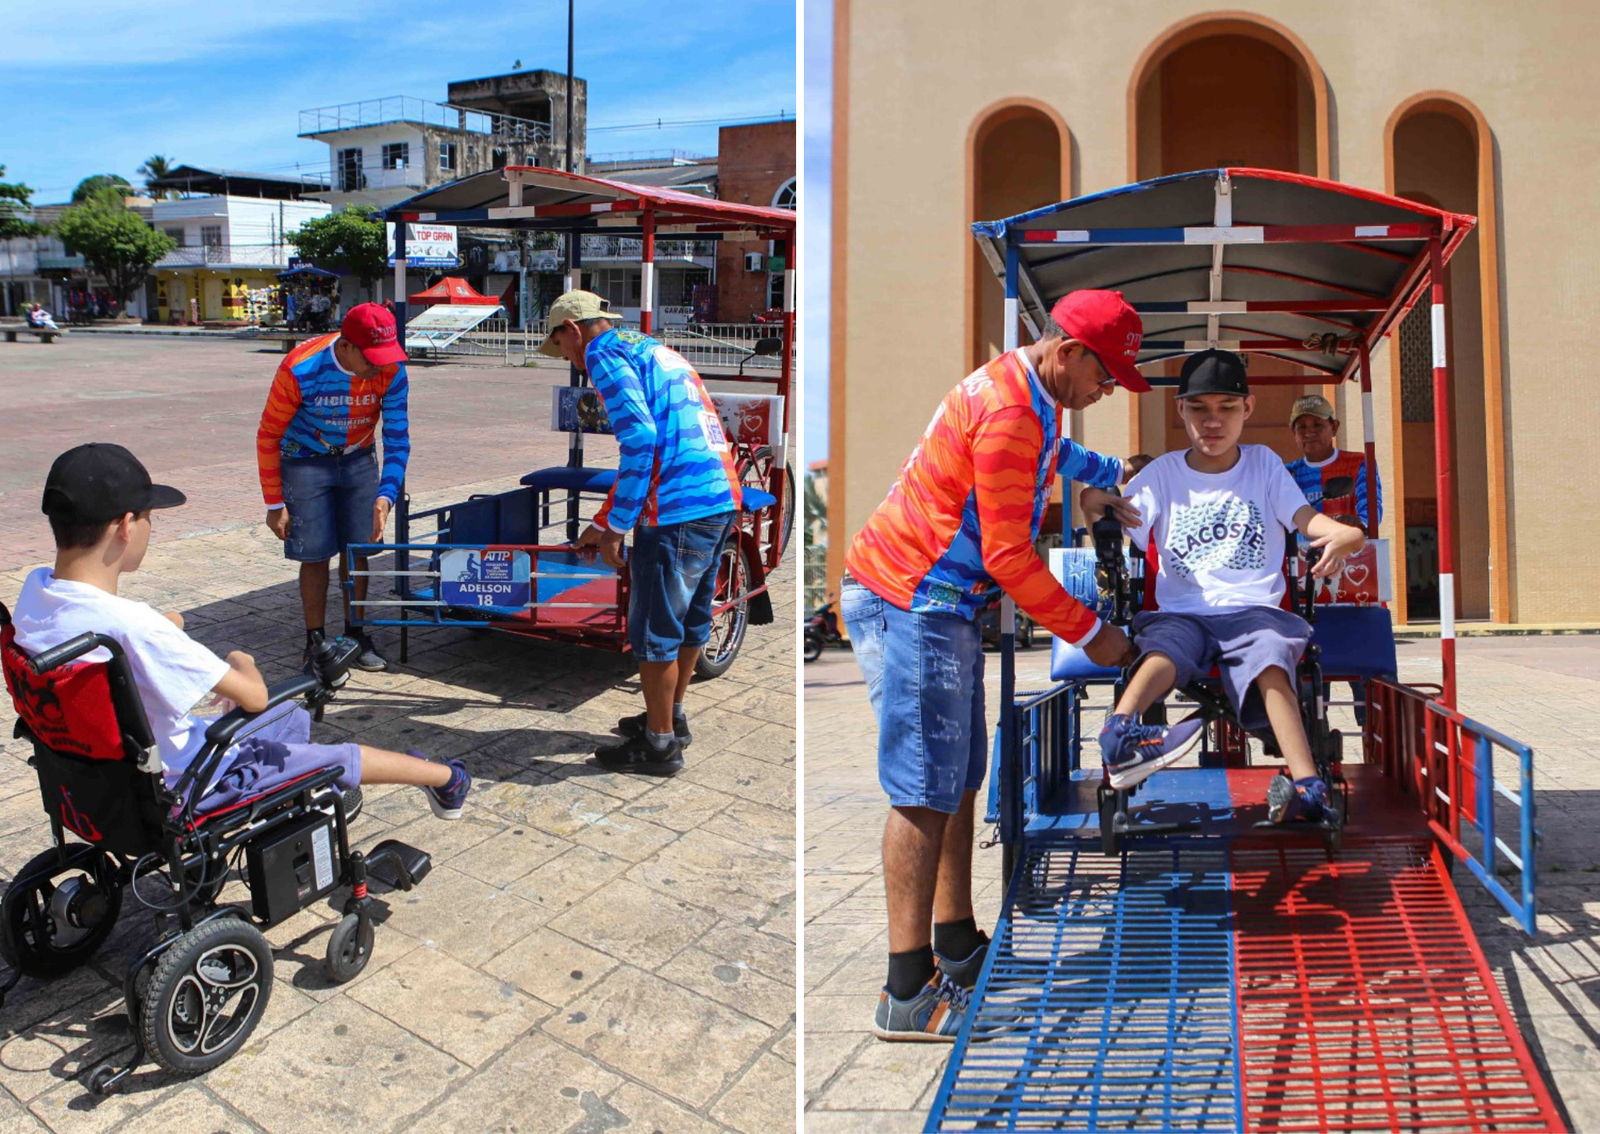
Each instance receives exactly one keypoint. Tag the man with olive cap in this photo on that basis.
(1335, 482)
(677, 491)
(956, 530)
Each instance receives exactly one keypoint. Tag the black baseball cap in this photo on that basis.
(101, 482)
(1213, 372)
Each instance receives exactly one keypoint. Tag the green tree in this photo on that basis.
(816, 533)
(14, 205)
(353, 240)
(155, 167)
(89, 186)
(113, 241)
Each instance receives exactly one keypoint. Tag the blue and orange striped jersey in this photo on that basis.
(316, 408)
(675, 464)
(961, 519)
(1313, 479)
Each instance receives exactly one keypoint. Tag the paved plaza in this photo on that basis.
(591, 952)
(1543, 690)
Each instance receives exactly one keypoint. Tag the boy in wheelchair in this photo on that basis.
(100, 501)
(1218, 512)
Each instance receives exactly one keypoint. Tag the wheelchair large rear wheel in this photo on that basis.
(54, 917)
(208, 993)
(727, 626)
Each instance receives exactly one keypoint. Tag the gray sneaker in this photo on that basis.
(933, 1015)
(965, 972)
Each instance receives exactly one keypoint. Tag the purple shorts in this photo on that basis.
(1241, 644)
(274, 751)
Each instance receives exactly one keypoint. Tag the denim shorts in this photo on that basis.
(673, 575)
(330, 503)
(925, 680)
(1241, 644)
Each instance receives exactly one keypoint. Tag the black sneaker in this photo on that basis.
(369, 659)
(635, 726)
(637, 755)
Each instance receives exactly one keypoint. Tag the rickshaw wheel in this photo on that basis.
(728, 627)
(754, 470)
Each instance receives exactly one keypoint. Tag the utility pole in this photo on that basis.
(571, 165)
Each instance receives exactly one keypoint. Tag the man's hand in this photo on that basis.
(1111, 647)
(380, 517)
(611, 549)
(1134, 465)
(174, 617)
(590, 537)
(278, 521)
(1337, 546)
(1094, 502)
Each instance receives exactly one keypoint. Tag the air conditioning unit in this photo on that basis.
(755, 262)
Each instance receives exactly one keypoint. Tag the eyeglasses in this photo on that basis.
(1106, 381)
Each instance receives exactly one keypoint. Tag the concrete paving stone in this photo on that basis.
(563, 808)
(744, 777)
(36, 1059)
(762, 1101)
(71, 1109)
(768, 830)
(568, 879)
(300, 949)
(648, 1111)
(674, 1041)
(766, 953)
(350, 1067)
(634, 924)
(15, 1119)
(511, 855)
(460, 1010)
(774, 705)
(783, 921)
(78, 994)
(786, 1045)
(826, 889)
(442, 841)
(679, 805)
(626, 836)
(774, 744)
(537, 1084)
(719, 874)
(859, 1121)
(188, 1109)
(467, 918)
(732, 982)
(829, 946)
(550, 966)
(826, 1054)
(885, 1076)
(848, 1012)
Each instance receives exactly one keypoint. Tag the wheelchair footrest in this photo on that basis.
(398, 865)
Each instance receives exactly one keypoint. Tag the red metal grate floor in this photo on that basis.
(1364, 1001)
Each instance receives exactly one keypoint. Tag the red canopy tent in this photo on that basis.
(452, 289)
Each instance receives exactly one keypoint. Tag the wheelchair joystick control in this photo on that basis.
(331, 660)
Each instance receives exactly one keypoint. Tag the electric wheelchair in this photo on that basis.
(195, 996)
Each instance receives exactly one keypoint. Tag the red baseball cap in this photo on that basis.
(369, 327)
(1105, 323)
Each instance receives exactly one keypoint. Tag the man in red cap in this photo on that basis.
(319, 467)
(956, 530)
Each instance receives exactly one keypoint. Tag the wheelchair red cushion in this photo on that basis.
(69, 708)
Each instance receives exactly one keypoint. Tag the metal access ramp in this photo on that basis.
(1253, 985)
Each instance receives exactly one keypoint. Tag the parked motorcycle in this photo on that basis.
(822, 630)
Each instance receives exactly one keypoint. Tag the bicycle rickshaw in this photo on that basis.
(487, 562)
(1160, 961)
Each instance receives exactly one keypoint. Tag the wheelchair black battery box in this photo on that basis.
(291, 866)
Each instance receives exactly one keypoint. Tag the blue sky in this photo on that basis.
(817, 171)
(95, 90)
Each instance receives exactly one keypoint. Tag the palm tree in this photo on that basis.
(154, 168)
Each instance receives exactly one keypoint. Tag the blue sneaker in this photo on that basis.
(1133, 752)
(933, 1015)
(1289, 800)
(447, 801)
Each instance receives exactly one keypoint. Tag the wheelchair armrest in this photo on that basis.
(227, 726)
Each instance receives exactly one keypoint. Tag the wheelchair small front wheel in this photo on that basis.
(53, 918)
(208, 993)
(350, 947)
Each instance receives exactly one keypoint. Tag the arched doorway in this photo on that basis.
(1226, 91)
(1018, 158)
(1439, 153)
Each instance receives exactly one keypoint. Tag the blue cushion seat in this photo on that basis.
(754, 499)
(580, 480)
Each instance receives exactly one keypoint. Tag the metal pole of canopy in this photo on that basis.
(402, 523)
(780, 466)
(647, 268)
(1370, 471)
(575, 379)
(1443, 456)
(1010, 773)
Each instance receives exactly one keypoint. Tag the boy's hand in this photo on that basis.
(1095, 501)
(1337, 546)
(1111, 647)
(278, 521)
(1134, 465)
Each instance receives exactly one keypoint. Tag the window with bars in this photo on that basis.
(396, 155)
(350, 177)
(1416, 365)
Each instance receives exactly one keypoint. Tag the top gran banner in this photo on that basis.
(427, 245)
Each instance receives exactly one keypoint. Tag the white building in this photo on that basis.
(230, 250)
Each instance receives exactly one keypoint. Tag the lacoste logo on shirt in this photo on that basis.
(1220, 534)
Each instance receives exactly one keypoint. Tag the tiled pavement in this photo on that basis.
(1542, 690)
(591, 952)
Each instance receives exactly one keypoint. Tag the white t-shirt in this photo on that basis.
(1220, 535)
(174, 673)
